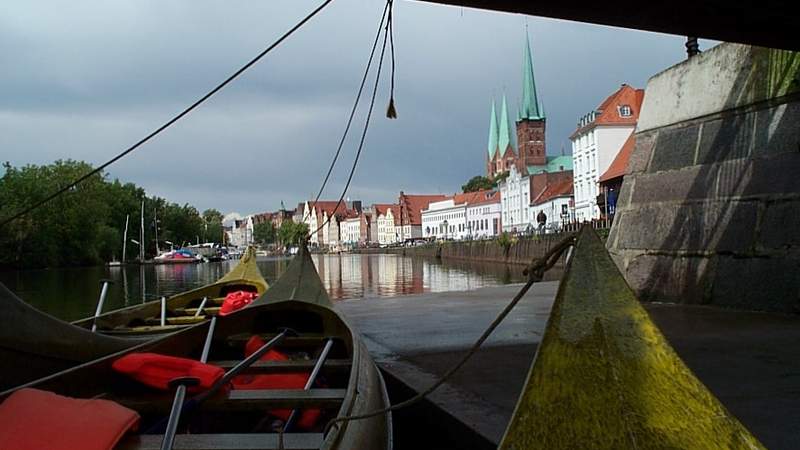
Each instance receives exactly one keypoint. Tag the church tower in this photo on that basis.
(531, 120)
(491, 162)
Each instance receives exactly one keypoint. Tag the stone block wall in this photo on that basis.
(709, 211)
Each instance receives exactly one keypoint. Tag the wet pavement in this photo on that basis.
(749, 360)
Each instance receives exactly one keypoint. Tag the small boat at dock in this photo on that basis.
(252, 400)
(183, 309)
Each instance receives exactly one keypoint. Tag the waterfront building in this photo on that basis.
(314, 217)
(385, 223)
(351, 230)
(445, 219)
(484, 219)
(463, 216)
(553, 204)
(410, 214)
(241, 233)
(611, 180)
(515, 193)
(599, 136)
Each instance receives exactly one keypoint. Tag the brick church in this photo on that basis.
(529, 155)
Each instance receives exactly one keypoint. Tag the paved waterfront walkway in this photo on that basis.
(751, 361)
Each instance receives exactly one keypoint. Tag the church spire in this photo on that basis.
(492, 132)
(531, 109)
(506, 133)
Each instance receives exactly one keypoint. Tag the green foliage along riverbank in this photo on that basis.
(84, 226)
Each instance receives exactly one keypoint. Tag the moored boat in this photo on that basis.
(34, 344)
(338, 379)
(183, 309)
(605, 377)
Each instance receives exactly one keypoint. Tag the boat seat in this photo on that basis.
(287, 366)
(180, 320)
(191, 311)
(245, 441)
(243, 400)
(304, 340)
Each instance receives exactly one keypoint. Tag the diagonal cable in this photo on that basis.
(174, 119)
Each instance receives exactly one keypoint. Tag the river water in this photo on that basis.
(72, 293)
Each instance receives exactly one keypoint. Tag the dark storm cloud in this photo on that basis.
(84, 80)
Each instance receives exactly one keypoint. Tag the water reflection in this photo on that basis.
(353, 276)
(72, 293)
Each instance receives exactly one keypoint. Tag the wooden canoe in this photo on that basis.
(605, 377)
(231, 419)
(145, 318)
(34, 344)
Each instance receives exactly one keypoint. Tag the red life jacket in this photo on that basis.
(157, 371)
(31, 419)
(297, 380)
(236, 301)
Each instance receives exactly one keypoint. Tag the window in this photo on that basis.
(625, 111)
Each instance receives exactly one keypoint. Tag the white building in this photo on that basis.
(515, 201)
(241, 234)
(386, 220)
(351, 231)
(555, 201)
(597, 140)
(445, 219)
(484, 216)
(463, 216)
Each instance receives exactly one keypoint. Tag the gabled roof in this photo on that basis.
(382, 208)
(620, 162)
(485, 198)
(412, 205)
(608, 113)
(561, 188)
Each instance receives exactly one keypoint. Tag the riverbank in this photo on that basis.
(748, 360)
(517, 250)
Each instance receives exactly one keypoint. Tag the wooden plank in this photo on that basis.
(181, 320)
(305, 340)
(191, 311)
(247, 400)
(242, 400)
(249, 441)
(286, 366)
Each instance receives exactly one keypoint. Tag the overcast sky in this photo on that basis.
(84, 80)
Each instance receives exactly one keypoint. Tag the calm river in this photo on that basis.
(72, 293)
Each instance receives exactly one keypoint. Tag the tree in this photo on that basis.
(264, 233)
(85, 224)
(478, 183)
(292, 233)
(213, 225)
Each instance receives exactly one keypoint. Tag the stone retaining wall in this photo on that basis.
(709, 211)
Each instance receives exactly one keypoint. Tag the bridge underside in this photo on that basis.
(767, 23)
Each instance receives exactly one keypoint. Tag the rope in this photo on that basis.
(352, 111)
(364, 133)
(391, 111)
(174, 119)
(535, 272)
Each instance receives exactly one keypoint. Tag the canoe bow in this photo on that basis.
(605, 377)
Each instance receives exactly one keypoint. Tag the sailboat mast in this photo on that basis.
(141, 236)
(155, 224)
(125, 238)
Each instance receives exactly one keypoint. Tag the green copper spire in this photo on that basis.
(492, 132)
(530, 101)
(506, 134)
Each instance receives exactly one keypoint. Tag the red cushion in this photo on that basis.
(236, 301)
(31, 419)
(277, 381)
(157, 371)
